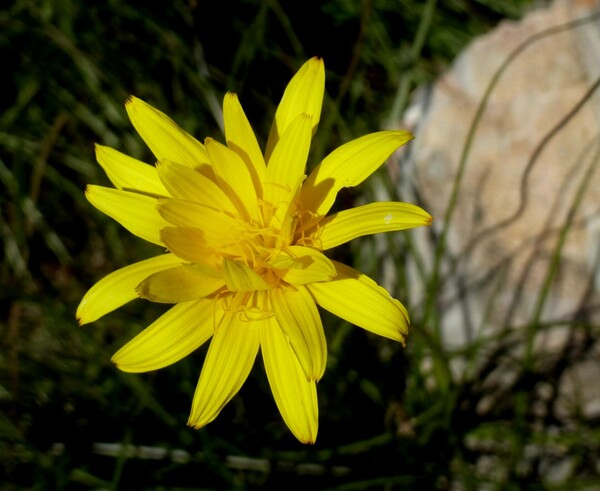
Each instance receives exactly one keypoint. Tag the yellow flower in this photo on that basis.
(245, 234)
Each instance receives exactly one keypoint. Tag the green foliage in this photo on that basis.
(69, 419)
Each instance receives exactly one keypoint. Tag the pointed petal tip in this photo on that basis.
(117, 360)
(79, 318)
(100, 150)
(306, 441)
(306, 437)
(133, 103)
(195, 425)
(89, 189)
(425, 216)
(316, 61)
(124, 368)
(404, 135)
(139, 291)
(194, 421)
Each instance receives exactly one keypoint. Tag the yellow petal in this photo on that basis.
(189, 244)
(356, 298)
(164, 137)
(215, 225)
(304, 94)
(347, 166)
(177, 285)
(204, 269)
(299, 318)
(285, 171)
(233, 177)
(229, 360)
(118, 287)
(189, 184)
(369, 219)
(128, 173)
(305, 265)
(136, 212)
(241, 278)
(171, 337)
(241, 138)
(296, 398)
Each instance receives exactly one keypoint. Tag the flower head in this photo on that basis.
(245, 234)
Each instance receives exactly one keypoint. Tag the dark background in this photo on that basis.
(68, 418)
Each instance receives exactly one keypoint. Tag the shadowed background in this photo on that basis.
(69, 419)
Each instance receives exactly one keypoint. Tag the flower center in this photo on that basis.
(250, 258)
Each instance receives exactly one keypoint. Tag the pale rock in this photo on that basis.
(492, 283)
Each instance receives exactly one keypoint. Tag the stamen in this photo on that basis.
(310, 225)
(249, 307)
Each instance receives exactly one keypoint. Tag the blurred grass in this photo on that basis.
(68, 67)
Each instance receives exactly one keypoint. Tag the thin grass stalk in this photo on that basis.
(435, 279)
(401, 97)
(121, 459)
(556, 257)
(523, 397)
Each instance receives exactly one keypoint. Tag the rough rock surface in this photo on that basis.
(521, 182)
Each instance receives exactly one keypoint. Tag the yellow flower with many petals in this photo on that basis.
(245, 234)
